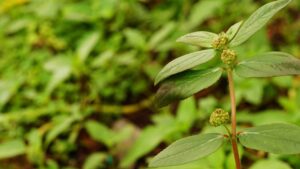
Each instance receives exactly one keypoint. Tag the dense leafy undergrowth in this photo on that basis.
(76, 82)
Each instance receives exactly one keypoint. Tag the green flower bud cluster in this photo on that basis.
(228, 57)
(221, 41)
(219, 117)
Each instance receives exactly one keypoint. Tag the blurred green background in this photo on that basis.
(76, 82)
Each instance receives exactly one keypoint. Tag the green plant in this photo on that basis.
(193, 72)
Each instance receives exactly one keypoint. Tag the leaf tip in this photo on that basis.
(180, 39)
(157, 80)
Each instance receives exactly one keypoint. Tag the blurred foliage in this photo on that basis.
(76, 81)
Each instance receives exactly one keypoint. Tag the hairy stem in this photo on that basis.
(233, 120)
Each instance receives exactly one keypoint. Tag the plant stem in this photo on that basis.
(228, 131)
(233, 120)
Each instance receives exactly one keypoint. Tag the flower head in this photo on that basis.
(228, 57)
(219, 117)
(221, 41)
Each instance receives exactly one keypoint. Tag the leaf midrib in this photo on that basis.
(200, 145)
(186, 61)
(271, 136)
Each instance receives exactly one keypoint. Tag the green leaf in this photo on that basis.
(17, 25)
(186, 114)
(268, 65)
(274, 138)
(135, 38)
(250, 90)
(233, 30)
(188, 149)
(266, 117)
(12, 148)
(208, 162)
(35, 151)
(100, 132)
(51, 164)
(257, 20)
(61, 69)
(105, 8)
(161, 35)
(94, 161)
(103, 59)
(274, 164)
(185, 84)
(147, 141)
(46, 10)
(78, 12)
(8, 87)
(61, 124)
(201, 38)
(184, 63)
(283, 81)
(86, 45)
(200, 12)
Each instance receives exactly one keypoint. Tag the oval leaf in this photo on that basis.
(201, 38)
(100, 132)
(268, 65)
(270, 163)
(12, 148)
(185, 84)
(188, 149)
(184, 63)
(95, 161)
(233, 30)
(273, 138)
(257, 20)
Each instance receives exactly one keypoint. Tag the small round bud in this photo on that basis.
(228, 57)
(221, 41)
(219, 117)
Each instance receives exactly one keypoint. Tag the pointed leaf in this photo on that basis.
(201, 38)
(257, 20)
(188, 149)
(95, 161)
(61, 69)
(86, 45)
(161, 35)
(12, 148)
(268, 65)
(60, 126)
(184, 63)
(233, 30)
(100, 132)
(185, 84)
(274, 138)
(135, 38)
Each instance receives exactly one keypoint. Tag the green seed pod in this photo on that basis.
(221, 41)
(219, 117)
(228, 57)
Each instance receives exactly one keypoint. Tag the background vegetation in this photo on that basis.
(76, 82)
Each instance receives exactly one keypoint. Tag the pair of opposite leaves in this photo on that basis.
(273, 138)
